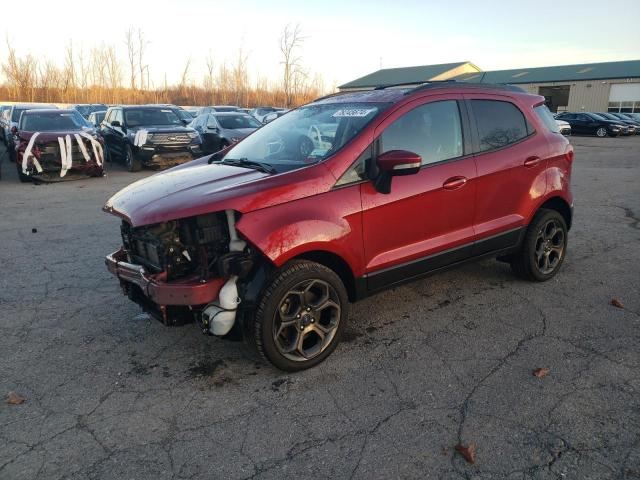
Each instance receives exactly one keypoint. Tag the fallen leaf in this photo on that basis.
(469, 452)
(541, 372)
(14, 399)
(617, 303)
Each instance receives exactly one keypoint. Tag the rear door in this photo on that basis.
(510, 159)
(427, 219)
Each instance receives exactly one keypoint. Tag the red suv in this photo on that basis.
(273, 237)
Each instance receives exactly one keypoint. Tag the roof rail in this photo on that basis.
(497, 86)
(407, 84)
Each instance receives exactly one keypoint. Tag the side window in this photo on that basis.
(545, 116)
(582, 117)
(358, 171)
(117, 115)
(211, 121)
(433, 131)
(499, 123)
(108, 116)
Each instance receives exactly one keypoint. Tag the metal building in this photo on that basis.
(595, 87)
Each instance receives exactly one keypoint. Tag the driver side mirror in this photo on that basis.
(116, 123)
(395, 163)
(213, 128)
(14, 130)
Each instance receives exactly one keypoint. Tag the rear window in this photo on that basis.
(499, 123)
(546, 117)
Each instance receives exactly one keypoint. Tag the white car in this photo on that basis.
(564, 127)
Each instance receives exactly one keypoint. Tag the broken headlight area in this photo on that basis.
(196, 246)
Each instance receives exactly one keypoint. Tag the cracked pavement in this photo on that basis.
(112, 394)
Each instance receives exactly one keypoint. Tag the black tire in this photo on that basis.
(542, 251)
(107, 154)
(274, 304)
(132, 163)
(23, 178)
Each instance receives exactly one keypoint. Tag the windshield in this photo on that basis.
(52, 121)
(183, 114)
(306, 135)
(237, 121)
(150, 116)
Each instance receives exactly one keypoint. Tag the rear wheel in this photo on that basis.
(300, 316)
(131, 162)
(544, 247)
(601, 132)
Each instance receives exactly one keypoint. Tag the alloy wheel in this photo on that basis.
(601, 132)
(306, 320)
(549, 247)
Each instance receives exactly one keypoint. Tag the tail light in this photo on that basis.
(568, 154)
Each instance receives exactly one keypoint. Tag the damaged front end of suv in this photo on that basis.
(184, 270)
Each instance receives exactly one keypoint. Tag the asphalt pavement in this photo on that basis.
(112, 394)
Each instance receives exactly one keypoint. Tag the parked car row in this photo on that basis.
(156, 135)
(601, 124)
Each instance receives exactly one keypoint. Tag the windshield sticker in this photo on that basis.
(353, 112)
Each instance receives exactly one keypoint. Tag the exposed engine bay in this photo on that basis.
(195, 250)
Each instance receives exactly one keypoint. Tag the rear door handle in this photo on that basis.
(532, 162)
(454, 183)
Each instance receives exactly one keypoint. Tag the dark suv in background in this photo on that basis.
(148, 135)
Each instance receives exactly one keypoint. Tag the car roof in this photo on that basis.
(396, 93)
(38, 106)
(227, 114)
(38, 111)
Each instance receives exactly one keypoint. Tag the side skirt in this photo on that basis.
(496, 245)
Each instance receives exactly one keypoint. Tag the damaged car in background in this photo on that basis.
(56, 144)
(148, 135)
(272, 237)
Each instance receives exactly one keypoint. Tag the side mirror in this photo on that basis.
(395, 163)
(213, 128)
(14, 130)
(185, 121)
(116, 123)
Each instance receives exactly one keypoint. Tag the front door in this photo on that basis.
(427, 220)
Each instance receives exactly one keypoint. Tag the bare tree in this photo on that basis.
(290, 43)
(142, 46)
(131, 56)
(208, 81)
(240, 77)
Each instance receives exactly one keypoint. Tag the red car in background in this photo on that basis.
(353, 193)
(56, 144)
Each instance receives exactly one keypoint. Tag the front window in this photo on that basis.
(53, 121)
(15, 115)
(150, 116)
(306, 135)
(237, 121)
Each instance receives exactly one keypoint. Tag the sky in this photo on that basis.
(343, 39)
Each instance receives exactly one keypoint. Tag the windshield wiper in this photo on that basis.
(246, 163)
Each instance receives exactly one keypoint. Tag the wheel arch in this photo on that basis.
(560, 205)
(335, 263)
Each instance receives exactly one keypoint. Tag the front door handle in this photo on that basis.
(532, 162)
(454, 183)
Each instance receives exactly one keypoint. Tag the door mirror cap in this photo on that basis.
(14, 130)
(399, 162)
(116, 123)
(394, 163)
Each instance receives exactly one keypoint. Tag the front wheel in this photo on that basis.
(601, 132)
(131, 162)
(300, 316)
(544, 247)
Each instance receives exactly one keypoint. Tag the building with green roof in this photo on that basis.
(606, 86)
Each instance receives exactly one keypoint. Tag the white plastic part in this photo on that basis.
(221, 314)
(235, 245)
(27, 154)
(140, 137)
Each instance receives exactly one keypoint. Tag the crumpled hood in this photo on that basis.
(197, 187)
(45, 137)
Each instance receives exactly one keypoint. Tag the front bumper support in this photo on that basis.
(188, 291)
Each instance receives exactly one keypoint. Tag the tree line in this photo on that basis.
(101, 76)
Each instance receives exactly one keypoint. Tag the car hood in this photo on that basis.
(197, 187)
(237, 132)
(44, 137)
